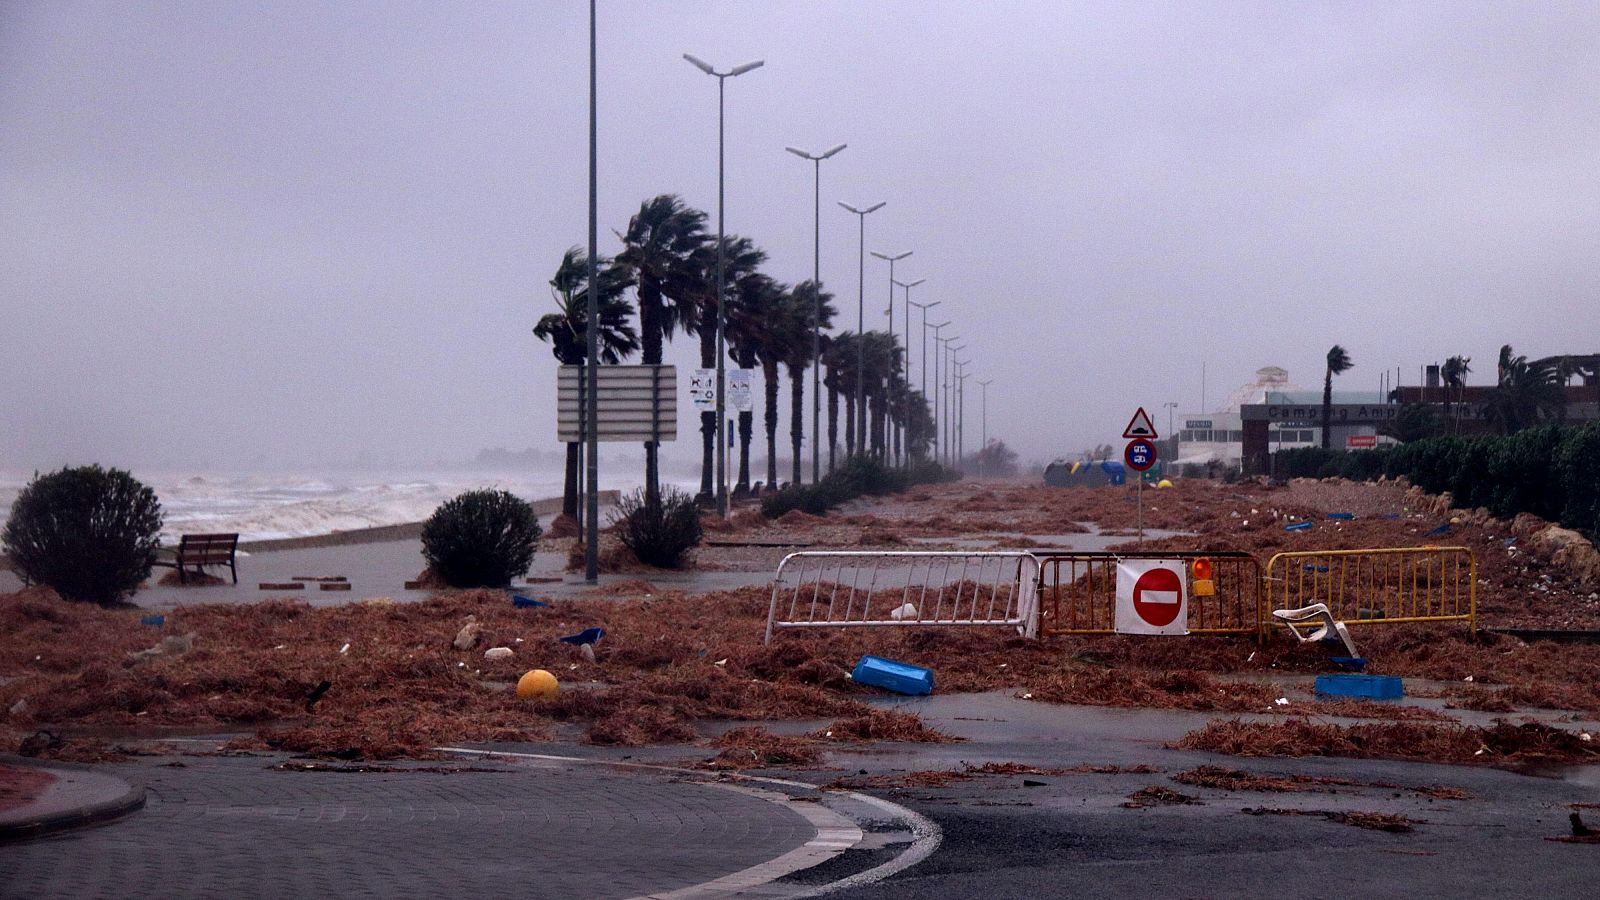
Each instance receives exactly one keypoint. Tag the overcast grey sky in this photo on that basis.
(238, 235)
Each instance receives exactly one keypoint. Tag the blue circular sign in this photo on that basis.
(1140, 455)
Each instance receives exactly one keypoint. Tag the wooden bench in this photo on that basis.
(198, 550)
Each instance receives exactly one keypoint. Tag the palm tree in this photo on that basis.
(567, 332)
(741, 260)
(753, 307)
(1338, 363)
(840, 359)
(1455, 372)
(1527, 393)
(881, 359)
(664, 252)
(797, 327)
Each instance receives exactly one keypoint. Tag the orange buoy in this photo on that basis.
(537, 683)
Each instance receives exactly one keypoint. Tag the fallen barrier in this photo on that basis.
(1392, 585)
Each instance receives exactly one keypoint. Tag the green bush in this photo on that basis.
(659, 533)
(89, 533)
(480, 539)
(855, 478)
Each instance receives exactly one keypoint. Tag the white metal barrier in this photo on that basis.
(827, 589)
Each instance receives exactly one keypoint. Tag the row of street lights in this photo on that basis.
(948, 445)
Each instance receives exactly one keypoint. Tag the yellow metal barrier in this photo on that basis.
(1367, 587)
(1078, 592)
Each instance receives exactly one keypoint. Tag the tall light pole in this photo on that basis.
(905, 395)
(722, 350)
(887, 419)
(960, 415)
(922, 367)
(591, 374)
(1171, 436)
(861, 310)
(816, 306)
(938, 411)
(950, 399)
(983, 387)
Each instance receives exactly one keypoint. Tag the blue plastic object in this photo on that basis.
(1310, 568)
(1119, 474)
(902, 678)
(521, 602)
(1298, 526)
(1442, 529)
(157, 621)
(1372, 687)
(1345, 516)
(586, 636)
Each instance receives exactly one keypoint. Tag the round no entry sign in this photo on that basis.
(1140, 455)
(1158, 597)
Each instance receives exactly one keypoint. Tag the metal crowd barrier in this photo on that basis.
(1368, 587)
(1078, 592)
(828, 589)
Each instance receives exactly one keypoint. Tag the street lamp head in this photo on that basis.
(892, 258)
(740, 70)
(912, 284)
(800, 153)
(700, 64)
(861, 212)
(833, 151)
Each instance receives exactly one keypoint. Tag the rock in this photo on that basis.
(1570, 551)
(468, 636)
(1527, 524)
(497, 653)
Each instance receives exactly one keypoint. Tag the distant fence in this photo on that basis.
(1078, 592)
(1368, 587)
(838, 589)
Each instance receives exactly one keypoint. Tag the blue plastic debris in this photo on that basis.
(1373, 687)
(1442, 529)
(157, 621)
(586, 636)
(1345, 516)
(1298, 526)
(902, 678)
(521, 602)
(1311, 568)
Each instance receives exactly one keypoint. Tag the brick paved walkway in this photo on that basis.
(233, 827)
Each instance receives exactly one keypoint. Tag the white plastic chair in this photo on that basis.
(1305, 616)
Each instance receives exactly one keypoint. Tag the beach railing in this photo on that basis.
(844, 589)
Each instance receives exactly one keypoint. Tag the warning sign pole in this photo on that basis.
(1138, 493)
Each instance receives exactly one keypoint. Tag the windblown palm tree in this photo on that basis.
(796, 328)
(567, 332)
(1338, 363)
(753, 308)
(1455, 372)
(840, 360)
(741, 261)
(1527, 394)
(664, 251)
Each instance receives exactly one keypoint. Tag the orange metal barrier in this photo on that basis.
(1078, 591)
(1370, 587)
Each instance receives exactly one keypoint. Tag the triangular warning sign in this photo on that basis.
(1139, 426)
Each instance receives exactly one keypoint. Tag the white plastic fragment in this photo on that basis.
(905, 611)
(1282, 701)
(345, 649)
(497, 653)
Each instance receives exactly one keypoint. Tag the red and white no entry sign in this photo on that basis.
(1151, 598)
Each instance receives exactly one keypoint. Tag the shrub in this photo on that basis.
(480, 539)
(659, 533)
(89, 533)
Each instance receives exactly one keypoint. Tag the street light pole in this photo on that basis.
(888, 419)
(938, 411)
(722, 351)
(591, 375)
(816, 307)
(961, 409)
(950, 401)
(983, 387)
(905, 394)
(861, 306)
(1171, 437)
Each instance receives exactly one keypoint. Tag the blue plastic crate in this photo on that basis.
(902, 678)
(1371, 687)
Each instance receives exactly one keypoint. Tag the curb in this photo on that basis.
(21, 825)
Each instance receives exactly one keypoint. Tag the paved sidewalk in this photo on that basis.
(74, 796)
(238, 827)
